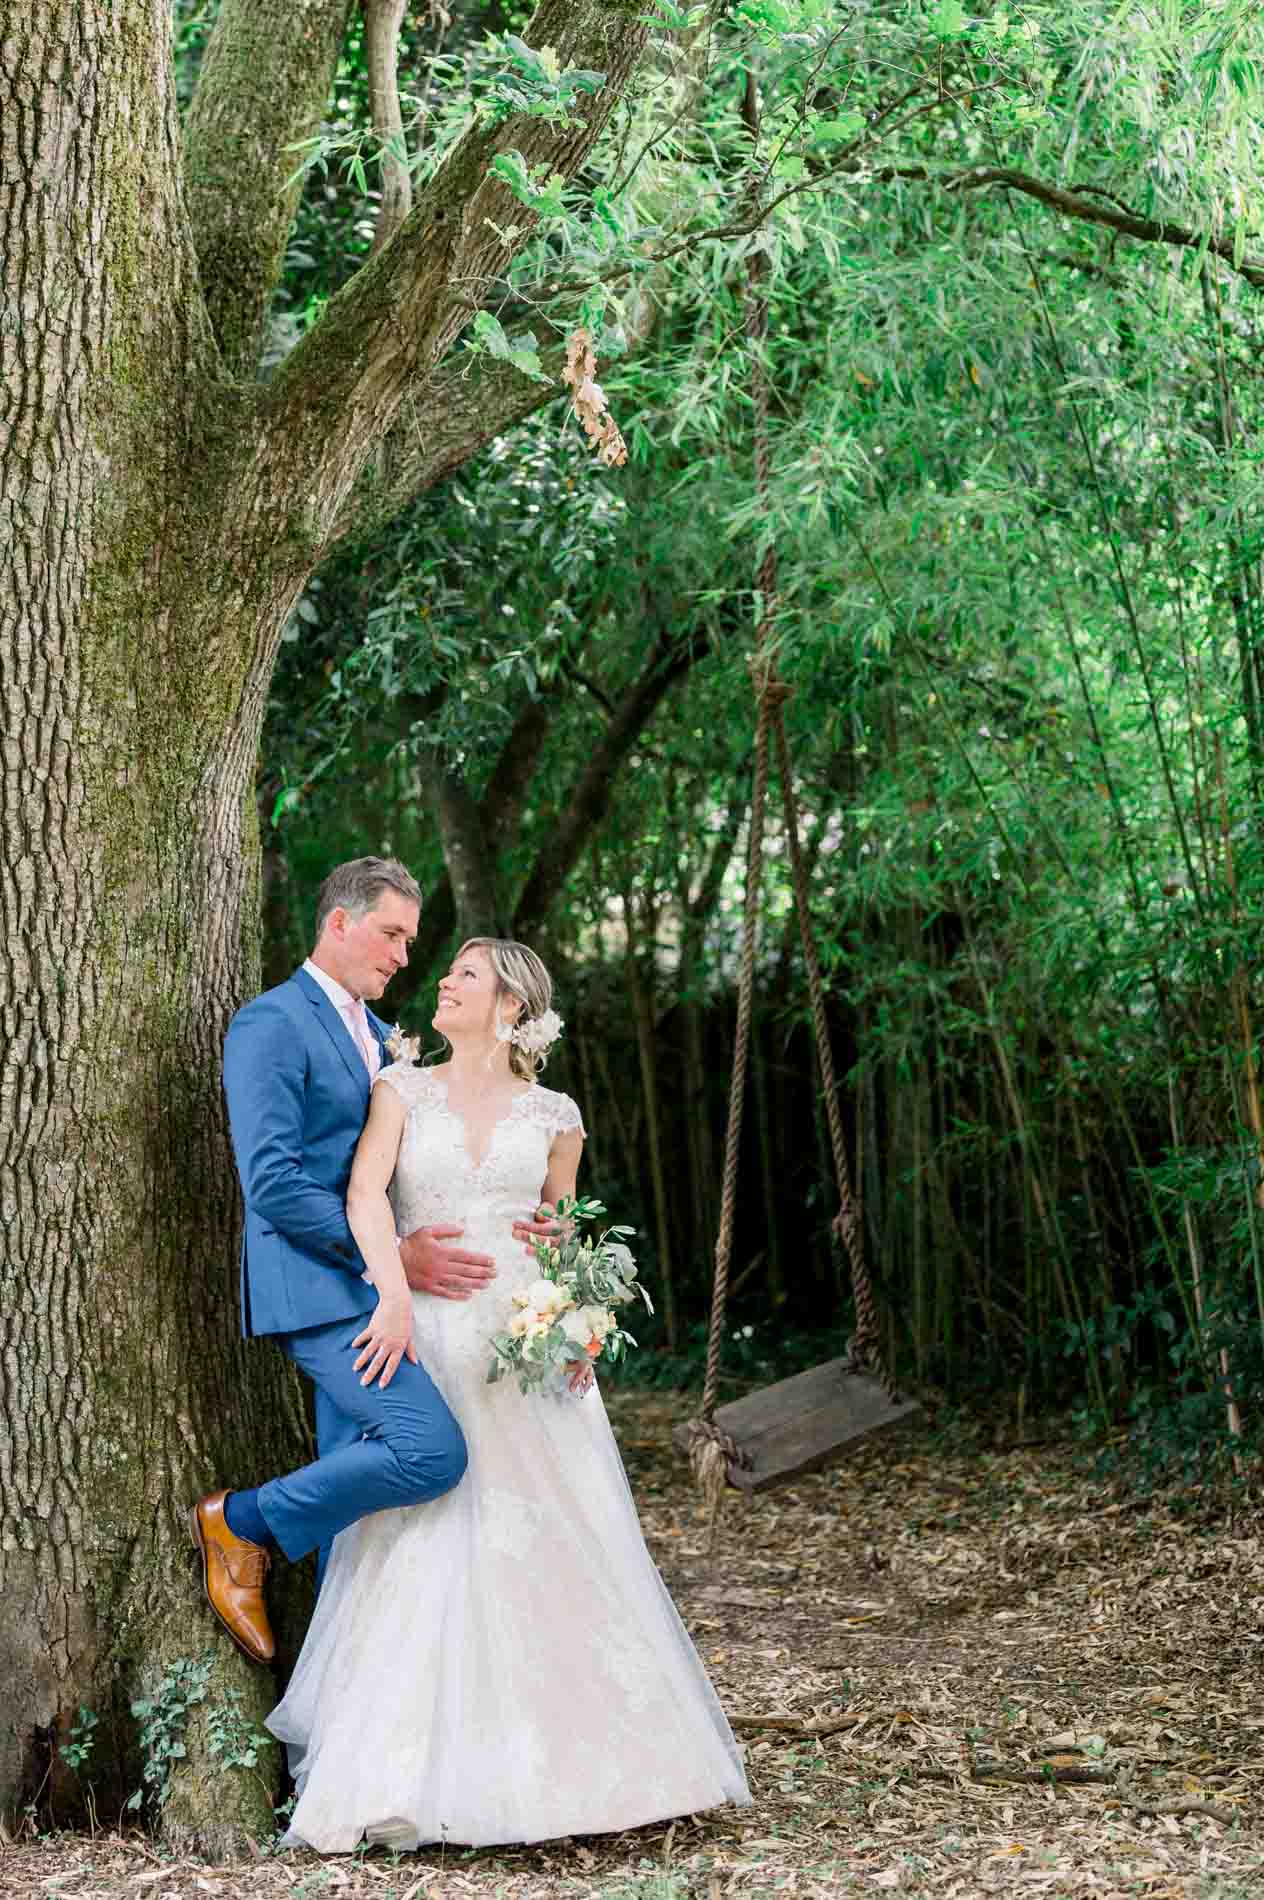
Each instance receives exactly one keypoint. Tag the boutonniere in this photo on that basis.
(402, 1048)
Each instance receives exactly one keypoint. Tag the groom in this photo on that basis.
(299, 1064)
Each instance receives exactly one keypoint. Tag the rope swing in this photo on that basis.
(717, 1454)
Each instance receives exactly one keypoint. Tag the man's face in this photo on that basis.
(363, 953)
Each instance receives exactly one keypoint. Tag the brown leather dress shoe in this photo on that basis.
(233, 1571)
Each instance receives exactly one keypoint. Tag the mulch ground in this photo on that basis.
(956, 1673)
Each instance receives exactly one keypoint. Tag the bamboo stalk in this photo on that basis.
(1232, 1412)
(643, 1011)
(1063, 1273)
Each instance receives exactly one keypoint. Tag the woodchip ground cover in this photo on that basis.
(956, 1672)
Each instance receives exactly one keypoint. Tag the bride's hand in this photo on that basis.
(581, 1380)
(543, 1225)
(386, 1340)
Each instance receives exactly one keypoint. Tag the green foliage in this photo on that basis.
(77, 1752)
(542, 193)
(523, 352)
(595, 1275)
(1016, 503)
(534, 85)
(164, 1718)
(234, 1740)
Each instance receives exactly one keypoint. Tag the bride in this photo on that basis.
(502, 1664)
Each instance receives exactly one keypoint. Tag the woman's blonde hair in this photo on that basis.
(518, 972)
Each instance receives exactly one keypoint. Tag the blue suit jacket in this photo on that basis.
(298, 1096)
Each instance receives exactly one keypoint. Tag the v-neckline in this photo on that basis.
(440, 1082)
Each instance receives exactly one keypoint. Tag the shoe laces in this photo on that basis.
(251, 1568)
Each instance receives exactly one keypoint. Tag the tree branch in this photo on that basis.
(344, 384)
(469, 865)
(264, 85)
(1067, 260)
(441, 423)
(500, 808)
(505, 795)
(976, 177)
(598, 693)
(590, 799)
(382, 21)
(1075, 205)
(448, 417)
(498, 811)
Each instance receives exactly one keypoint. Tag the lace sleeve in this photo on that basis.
(408, 1081)
(551, 1111)
(565, 1118)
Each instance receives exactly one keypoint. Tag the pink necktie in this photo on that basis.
(360, 1031)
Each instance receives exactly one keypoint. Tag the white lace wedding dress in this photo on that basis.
(503, 1664)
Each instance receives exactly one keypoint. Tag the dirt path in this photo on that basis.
(998, 1678)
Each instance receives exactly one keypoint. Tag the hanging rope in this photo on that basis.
(713, 1453)
(865, 1350)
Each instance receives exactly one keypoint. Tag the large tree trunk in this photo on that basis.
(160, 519)
(130, 894)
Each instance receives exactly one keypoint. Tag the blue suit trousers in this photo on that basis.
(379, 1449)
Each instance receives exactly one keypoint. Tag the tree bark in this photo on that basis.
(464, 406)
(162, 513)
(241, 168)
(497, 812)
(130, 887)
(471, 870)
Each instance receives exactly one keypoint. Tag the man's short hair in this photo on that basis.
(357, 885)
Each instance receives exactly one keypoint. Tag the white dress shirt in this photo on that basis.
(351, 1009)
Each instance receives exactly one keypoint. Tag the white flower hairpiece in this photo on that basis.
(402, 1048)
(535, 1035)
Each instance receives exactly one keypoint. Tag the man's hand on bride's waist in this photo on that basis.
(432, 1264)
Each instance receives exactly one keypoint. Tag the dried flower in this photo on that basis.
(589, 400)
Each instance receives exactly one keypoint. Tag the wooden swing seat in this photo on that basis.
(804, 1422)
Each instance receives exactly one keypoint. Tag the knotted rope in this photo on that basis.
(713, 1453)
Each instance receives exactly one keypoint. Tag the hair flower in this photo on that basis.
(537, 1033)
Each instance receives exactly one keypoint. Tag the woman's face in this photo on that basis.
(468, 1001)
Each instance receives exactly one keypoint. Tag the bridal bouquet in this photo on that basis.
(569, 1312)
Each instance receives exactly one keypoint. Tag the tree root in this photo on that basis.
(1070, 1773)
(1208, 1809)
(1037, 1776)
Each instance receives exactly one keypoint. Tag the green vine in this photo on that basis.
(233, 1739)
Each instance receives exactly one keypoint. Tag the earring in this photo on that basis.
(504, 1030)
